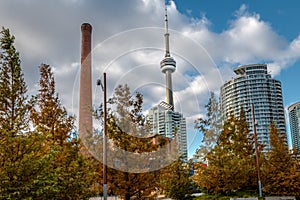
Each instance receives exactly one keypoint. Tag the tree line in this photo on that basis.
(39, 151)
(229, 152)
(42, 157)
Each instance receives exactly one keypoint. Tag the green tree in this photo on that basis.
(22, 161)
(14, 104)
(211, 127)
(175, 181)
(70, 174)
(281, 172)
(21, 151)
(231, 165)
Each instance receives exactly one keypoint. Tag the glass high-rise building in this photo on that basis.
(294, 116)
(254, 85)
(168, 123)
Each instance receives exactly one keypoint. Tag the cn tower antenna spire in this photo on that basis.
(167, 33)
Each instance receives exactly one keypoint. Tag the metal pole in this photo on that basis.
(256, 152)
(104, 142)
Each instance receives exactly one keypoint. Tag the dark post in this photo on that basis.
(104, 142)
(256, 152)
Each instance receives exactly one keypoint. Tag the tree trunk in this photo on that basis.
(127, 196)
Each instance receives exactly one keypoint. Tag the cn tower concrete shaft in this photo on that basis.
(169, 90)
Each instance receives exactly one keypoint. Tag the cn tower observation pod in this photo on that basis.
(168, 64)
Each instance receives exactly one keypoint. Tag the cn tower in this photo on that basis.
(168, 65)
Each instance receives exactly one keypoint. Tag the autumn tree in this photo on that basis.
(231, 165)
(129, 140)
(48, 113)
(281, 172)
(210, 126)
(70, 174)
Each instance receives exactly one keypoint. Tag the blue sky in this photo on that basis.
(282, 16)
(207, 39)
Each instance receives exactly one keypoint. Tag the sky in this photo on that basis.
(208, 39)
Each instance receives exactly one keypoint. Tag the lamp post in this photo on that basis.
(104, 136)
(256, 152)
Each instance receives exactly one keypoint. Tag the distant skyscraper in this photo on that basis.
(294, 116)
(254, 85)
(162, 118)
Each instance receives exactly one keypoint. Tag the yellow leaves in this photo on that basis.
(230, 163)
(280, 170)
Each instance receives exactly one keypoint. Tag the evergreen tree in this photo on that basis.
(281, 172)
(70, 174)
(231, 165)
(14, 105)
(21, 150)
(22, 160)
(210, 127)
(175, 181)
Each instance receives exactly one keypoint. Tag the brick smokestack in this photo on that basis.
(85, 124)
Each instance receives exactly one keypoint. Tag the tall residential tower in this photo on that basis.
(294, 116)
(162, 118)
(254, 85)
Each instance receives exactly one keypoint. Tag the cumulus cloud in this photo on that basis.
(248, 39)
(128, 44)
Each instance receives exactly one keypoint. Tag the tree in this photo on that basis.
(231, 165)
(129, 138)
(175, 180)
(48, 112)
(70, 174)
(21, 150)
(210, 127)
(281, 172)
(14, 105)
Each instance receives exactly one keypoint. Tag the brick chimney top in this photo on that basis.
(86, 27)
